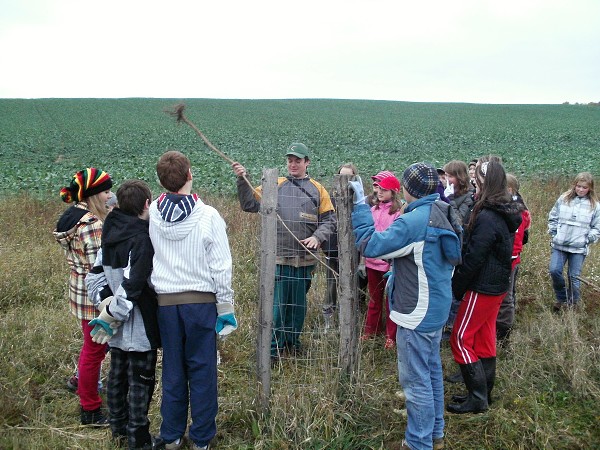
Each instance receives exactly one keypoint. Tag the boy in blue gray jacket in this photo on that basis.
(118, 286)
(423, 247)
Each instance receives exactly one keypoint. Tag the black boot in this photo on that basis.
(489, 368)
(502, 335)
(455, 377)
(475, 380)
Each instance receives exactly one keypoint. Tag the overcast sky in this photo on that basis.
(480, 51)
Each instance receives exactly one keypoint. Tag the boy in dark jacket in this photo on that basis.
(118, 286)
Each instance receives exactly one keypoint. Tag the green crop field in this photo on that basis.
(42, 142)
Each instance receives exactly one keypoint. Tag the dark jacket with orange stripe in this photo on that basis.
(304, 206)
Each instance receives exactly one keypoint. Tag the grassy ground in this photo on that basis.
(546, 397)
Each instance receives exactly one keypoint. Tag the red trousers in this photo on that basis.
(474, 331)
(373, 324)
(90, 360)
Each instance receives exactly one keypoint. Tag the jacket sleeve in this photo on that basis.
(480, 242)
(553, 218)
(594, 233)
(90, 236)
(386, 244)
(326, 213)
(135, 278)
(246, 196)
(219, 260)
(95, 282)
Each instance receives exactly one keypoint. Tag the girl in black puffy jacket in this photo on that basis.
(481, 281)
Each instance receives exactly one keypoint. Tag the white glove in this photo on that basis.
(104, 325)
(449, 190)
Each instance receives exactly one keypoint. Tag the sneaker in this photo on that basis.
(73, 383)
(438, 443)
(95, 418)
(401, 412)
(157, 444)
(175, 445)
(389, 344)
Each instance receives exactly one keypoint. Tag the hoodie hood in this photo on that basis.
(119, 227)
(71, 217)
(176, 207)
(175, 215)
(511, 212)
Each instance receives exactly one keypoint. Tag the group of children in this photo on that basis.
(495, 222)
(152, 273)
(146, 274)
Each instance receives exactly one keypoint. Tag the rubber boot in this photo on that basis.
(489, 367)
(502, 334)
(475, 380)
(456, 377)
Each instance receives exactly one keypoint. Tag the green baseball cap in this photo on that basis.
(297, 149)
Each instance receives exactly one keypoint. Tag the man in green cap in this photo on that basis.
(306, 209)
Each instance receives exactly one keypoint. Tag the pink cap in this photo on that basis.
(390, 183)
(381, 175)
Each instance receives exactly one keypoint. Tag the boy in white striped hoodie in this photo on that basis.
(192, 278)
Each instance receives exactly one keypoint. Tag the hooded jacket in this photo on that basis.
(424, 248)
(79, 232)
(382, 219)
(123, 269)
(574, 225)
(191, 249)
(487, 251)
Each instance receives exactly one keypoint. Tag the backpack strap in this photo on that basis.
(304, 191)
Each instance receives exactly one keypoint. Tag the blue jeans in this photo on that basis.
(420, 374)
(189, 371)
(558, 259)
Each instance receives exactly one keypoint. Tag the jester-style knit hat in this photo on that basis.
(85, 183)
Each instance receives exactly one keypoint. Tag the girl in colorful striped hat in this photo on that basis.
(78, 232)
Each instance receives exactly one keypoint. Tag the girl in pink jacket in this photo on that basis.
(386, 209)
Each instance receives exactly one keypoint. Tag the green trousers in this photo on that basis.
(289, 306)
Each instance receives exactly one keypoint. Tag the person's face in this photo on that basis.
(472, 171)
(451, 179)
(346, 171)
(297, 166)
(443, 179)
(375, 188)
(582, 189)
(478, 185)
(105, 196)
(384, 195)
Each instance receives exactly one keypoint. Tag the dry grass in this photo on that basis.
(547, 392)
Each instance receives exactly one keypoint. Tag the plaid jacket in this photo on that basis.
(78, 233)
(574, 225)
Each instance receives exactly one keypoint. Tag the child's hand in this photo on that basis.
(356, 187)
(226, 321)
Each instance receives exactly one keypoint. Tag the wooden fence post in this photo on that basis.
(268, 246)
(348, 283)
